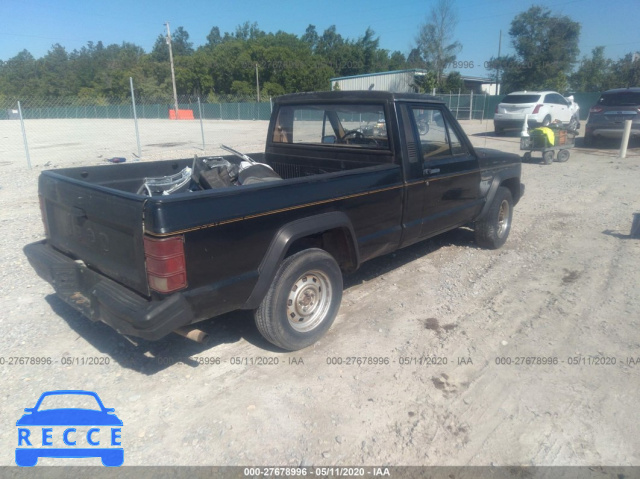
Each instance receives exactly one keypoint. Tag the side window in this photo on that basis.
(456, 145)
(437, 139)
(556, 99)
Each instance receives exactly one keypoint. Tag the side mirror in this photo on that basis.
(329, 139)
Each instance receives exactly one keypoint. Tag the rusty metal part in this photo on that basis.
(193, 334)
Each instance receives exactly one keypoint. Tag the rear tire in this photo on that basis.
(588, 141)
(547, 157)
(574, 123)
(546, 121)
(303, 300)
(493, 230)
(563, 155)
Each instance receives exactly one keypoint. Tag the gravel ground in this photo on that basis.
(564, 286)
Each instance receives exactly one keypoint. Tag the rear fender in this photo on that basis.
(289, 234)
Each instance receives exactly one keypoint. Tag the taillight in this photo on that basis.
(537, 108)
(43, 215)
(595, 109)
(166, 266)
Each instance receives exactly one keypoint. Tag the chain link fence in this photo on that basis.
(470, 106)
(49, 131)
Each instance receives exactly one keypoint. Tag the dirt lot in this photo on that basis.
(565, 288)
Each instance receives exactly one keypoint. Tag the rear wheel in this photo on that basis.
(574, 123)
(492, 230)
(546, 121)
(563, 155)
(547, 157)
(588, 141)
(303, 300)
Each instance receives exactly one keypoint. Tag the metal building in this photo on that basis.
(403, 81)
(400, 81)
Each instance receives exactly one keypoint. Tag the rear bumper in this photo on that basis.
(102, 299)
(515, 123)
(611, 131)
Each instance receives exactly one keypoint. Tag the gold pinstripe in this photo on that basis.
(315, 203)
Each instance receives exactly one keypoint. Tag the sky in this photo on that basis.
(35, 25)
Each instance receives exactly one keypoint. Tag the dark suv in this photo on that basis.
(607, 117)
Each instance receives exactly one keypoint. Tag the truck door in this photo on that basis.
(450, 170)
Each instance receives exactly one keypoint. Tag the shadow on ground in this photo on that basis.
(150, 357)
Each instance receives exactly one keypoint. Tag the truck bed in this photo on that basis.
(95, 215)
(128, 177)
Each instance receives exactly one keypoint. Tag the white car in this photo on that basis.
(543, 108)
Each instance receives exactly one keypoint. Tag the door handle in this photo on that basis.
(431, 171)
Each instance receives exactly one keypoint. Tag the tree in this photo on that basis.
(248, 31)
(454, 83)
(626, 71)
(397, 61)
(18, 75)
(226, 63)
(435, 46)
(214, 38)
(311, 37)
(546, 50)
(180, 45)
(425, 83)
(368, 45)
(329, 42)
(593, 74)
(53, 72)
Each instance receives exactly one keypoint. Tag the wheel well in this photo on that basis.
(337, 242)
(514, 186)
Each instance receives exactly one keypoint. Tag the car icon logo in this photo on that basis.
(51, 429)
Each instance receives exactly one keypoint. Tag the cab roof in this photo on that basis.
(354, 96)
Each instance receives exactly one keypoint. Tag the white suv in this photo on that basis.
(543, 108)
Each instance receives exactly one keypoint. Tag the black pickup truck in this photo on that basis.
(154, 247)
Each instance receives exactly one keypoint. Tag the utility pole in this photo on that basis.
(173, 73)
(498, 65)
(257, 83)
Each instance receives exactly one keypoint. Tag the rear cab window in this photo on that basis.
(338, 125)
(620, 99)
(518, 99)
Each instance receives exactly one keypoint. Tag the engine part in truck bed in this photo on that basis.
(165, 185)
(257, 173)
(214, 172)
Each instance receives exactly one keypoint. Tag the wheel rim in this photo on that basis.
(503, 218)
(309, 301)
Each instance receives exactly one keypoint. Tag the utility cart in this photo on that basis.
(539, 139)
